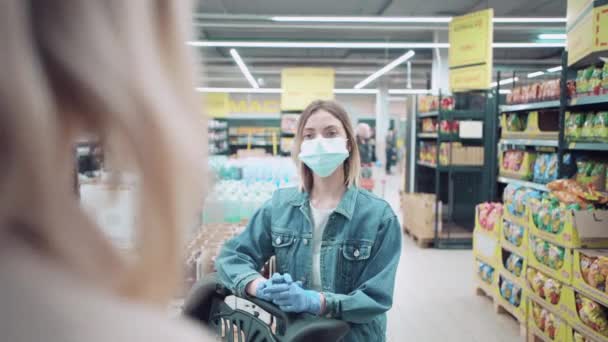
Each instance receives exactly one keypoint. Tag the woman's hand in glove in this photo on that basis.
(293, 298)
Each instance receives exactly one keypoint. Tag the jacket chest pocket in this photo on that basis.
(353, 259)
(283, 244)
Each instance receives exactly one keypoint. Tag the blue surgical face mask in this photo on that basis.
(323, 155)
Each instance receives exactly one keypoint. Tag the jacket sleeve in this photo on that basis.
(374, 293)
(242, 257)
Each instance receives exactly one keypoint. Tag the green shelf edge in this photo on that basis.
(588, 100)
(529, 142)
(584, 146)
(428, 114)
(530, 106)
(520, 182)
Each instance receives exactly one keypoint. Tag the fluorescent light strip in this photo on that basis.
(318, 19)
(239, 61)
(554, 36)
(536, 74)
(354, 45)
(390, 66)
(558, 68)
(506, 81)
(336, 91)
(504, 91)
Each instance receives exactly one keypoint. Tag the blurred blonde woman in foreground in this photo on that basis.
(120, 71)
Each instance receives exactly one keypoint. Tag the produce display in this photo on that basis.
(430, 103)
(488, 214)
(536, 92)
(449, 128)
(510, 292)
(547, 253)
(545, 320)
(595, 271)
(485, 272)
(544, 286)
(545, 167)
(592, 314)
(513, 233)
(514, 264)
(429, 125)
(428, 152)
(516, 198)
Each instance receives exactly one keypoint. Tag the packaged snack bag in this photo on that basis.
(537, 314)
(595, 82)
(538, 284)
(514, 123)
(551, 171)
(593, 315)
(514, 264)
(587, 132)
(581, 83)
(530, 274)
(552, 290)
(506, 289)
(574, 126)
(605, 78)
(579, 338)
(551, 325)
(555, 257)
(595, 277)
(585, 265)
(515, 298)
(600, 126)
(541, 251)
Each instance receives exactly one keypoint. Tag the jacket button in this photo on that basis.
(278, 240)
(356, 253)
(306, 241)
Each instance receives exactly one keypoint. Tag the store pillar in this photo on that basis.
(440, 79)
(382, 120)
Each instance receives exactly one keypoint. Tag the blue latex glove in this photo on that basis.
(293, 298)
(276, 279)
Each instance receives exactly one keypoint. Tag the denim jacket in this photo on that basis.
(360, 252)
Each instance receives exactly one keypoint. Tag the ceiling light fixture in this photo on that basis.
(239, 90)
(354, 45)
(558, 68)
(504, 91)
(553, 36)
(408, 91)
(536, 74)
(339, 19)
(390, 66)
(506, 81)
(239, 61)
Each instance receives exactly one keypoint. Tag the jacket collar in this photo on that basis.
(346, 207)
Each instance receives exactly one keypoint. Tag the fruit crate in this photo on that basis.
(503, 258)
(563, 272)
(496, 228)
(562, 332)
(539, 125)
(522, 247)
(580, 283)
(570, 313)
(582, 229)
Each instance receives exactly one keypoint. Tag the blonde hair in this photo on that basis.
(352, 165)
(119, 71)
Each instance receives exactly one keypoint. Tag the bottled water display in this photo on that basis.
(244, 185)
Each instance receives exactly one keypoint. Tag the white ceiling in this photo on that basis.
(248, 20)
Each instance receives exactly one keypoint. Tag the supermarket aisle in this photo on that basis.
(434, 297)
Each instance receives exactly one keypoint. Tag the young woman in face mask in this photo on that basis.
(337, 246)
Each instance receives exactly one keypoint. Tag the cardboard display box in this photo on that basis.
(504, 253)
(522, 248)
(525, 171)
(488, 288)
(582, 229)
(580, 284)
(564, 274)
(456, 154)
(587, 31)
(561, 302)
(494, 232)
(570, 314)
(532, 130)
(519, 312)
(519, 220)
(419, 215)
(486, 249)
(562, 332)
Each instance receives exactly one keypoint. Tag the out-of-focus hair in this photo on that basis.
(119, 71)
(352, 164)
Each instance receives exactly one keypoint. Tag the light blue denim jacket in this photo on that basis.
(360, 252)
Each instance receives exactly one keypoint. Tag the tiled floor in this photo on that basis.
(434, 296)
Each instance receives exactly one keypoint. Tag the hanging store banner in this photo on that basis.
(217, 105)
(470, 54)
(301, 86)
(587, 31)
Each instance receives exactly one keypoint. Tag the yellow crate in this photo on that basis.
(488, 289)
(496, 230)
(584, 335)
(519, 312)
(522, 249)
(486, 248)
(564, 274)
(563, 331)
(519, 220)
(562, 301)
(504, 251)
(580, 284)
(569, 313)
(526, 170)
(582, 229)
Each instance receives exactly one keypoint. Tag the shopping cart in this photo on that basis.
(254, 320)
(367, 180)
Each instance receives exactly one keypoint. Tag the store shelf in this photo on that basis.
(428, 114)
(588, 146)
(529, 142)
(532, 185)
(253, 144)
(588, 100)
(427, 135)
(426, 164)
(463, 114)
(530, 106)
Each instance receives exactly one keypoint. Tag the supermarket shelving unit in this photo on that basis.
(460, 187)
(286, 136)
(218, 137)
(560, 145)
(245, 140)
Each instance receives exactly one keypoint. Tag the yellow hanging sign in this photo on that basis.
(587, 32)
(301, 86)
(217, 105)
(471, 38)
